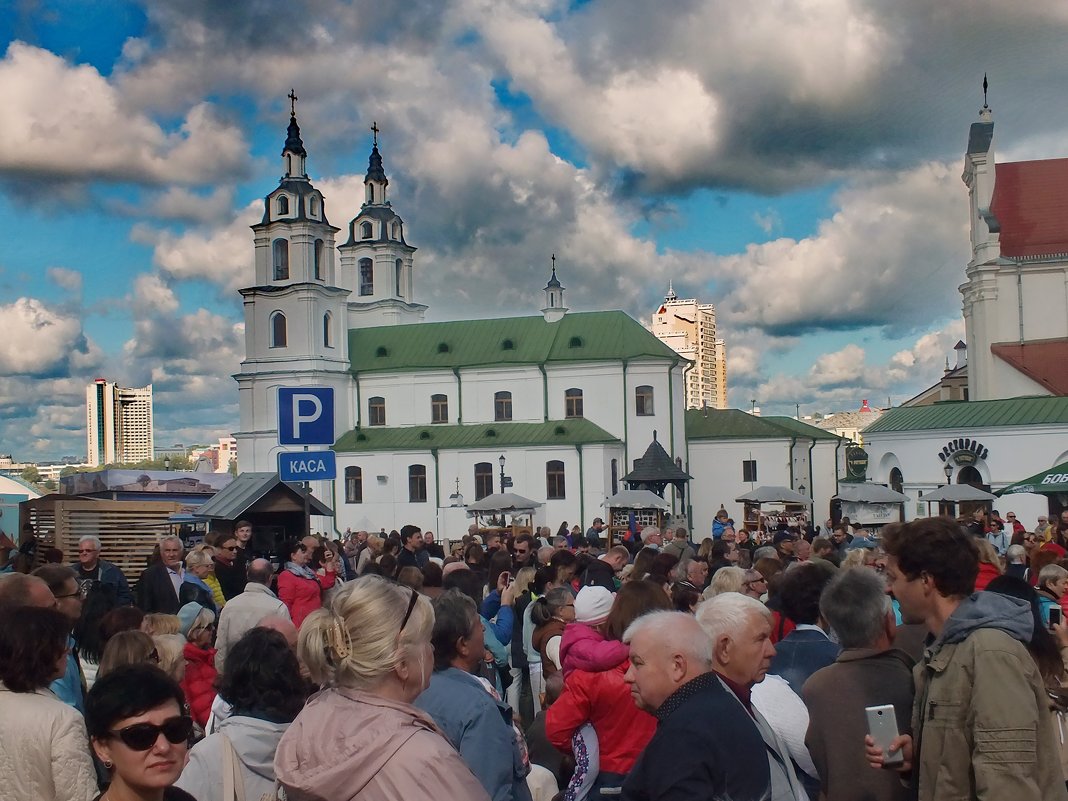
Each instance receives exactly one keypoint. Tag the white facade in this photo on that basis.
(118, 423)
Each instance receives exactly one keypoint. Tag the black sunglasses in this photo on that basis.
(411, 606)
(142, 736)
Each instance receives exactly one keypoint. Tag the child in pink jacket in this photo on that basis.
(583, 647)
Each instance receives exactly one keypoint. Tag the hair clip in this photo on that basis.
(338, 639)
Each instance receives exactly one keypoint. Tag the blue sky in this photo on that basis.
(797, 166)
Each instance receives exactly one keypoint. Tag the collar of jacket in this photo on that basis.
(685, 692)
(255, 586)
(937, 660)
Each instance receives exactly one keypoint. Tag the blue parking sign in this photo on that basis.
(305, 416)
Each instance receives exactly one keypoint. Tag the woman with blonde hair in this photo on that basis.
(370, 650)
(130, 647)
(727, 579)
(158, 623)
(200, 584)
(989, 564)
(170, 654)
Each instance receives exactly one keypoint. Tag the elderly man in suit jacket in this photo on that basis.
(157, 589)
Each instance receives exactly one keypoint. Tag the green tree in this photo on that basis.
(31, 474)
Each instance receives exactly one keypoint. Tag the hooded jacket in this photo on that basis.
(350, 745)
(199, 682)
(981, 720)
(254, 742)
(583, 647)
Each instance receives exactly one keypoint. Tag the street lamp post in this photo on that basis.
(167, 463)
(501, 463)
(947, 469)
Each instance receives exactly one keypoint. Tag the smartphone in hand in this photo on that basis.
(1055, 616)
(882, 726)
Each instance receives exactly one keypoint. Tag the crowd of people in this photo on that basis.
(926, 660)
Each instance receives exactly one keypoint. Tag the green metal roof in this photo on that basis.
(974, 414)
(578, 337)
(482, 435)
(736, 424)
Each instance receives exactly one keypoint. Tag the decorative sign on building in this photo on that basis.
(856, 462)
(963, 452)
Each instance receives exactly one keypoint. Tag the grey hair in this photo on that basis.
(676, 632)
(1016, 555)
(649, 532)
(729, 614)
(201, 555)
(727, 579)
(1051, 573)
(170, 538)
(93, 539)
(855, 605)
(765, 551)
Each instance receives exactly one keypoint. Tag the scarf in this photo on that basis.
(301, 570)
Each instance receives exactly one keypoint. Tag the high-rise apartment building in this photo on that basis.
(689, 328)
(119, 423)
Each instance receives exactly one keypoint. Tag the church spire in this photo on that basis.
(375, 180)
(293, 153)
(554, 297)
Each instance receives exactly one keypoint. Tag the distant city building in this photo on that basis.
(848, 425)
(952, 386)
(689, 328)
(119, 423)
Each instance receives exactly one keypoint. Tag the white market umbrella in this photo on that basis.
(636, 499)
(955, 493)
(503, 502)
(868, 493)
(773, 494)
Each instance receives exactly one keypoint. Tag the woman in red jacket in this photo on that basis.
(197, 624)
(298, 586)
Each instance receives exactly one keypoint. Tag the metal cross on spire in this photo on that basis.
(292, 103)
(985, 87)
(554, 262)
(374, 130)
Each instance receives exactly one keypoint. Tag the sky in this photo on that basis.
(794, 162)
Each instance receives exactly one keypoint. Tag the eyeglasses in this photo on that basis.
(142, 736)
(411, 606)
(230, 548)
(87, 550)
(81, 592)
(1011, 517)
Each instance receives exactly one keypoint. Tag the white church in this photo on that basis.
(561, 403)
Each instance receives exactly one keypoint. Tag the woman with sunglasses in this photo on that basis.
(138, 731)
(371, 652)
(42, 739)
(298, 586)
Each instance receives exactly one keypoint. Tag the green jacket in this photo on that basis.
(981, 720)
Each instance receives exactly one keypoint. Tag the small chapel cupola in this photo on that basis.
(554, 298)
(375, 182)
(293, 154)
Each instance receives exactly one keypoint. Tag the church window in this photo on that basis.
(328, 334)
(367, 277)
(483, 480)
(573, 402)
(283, 204)
(502, 406)
(396, 231)
(281, 259)
(554, 480)
(278, 330)
(370, 193)
(398, 267)
(376, 411)
(439, 409)
(643, 401)
(317, 256)
(417, 483)
(313, 206)
(353, 485)
(749, 470)
(366, 230)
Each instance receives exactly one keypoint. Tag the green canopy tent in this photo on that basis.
(1053, 481)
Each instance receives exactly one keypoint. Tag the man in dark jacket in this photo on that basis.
(157, 589)
(706, 743)
(868, 672)
(602, 572)
(807, 648)
(94, 573)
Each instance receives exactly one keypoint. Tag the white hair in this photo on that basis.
(675, 632)
(729, 614)
(649, 532)
(170, 538)
(93, 539)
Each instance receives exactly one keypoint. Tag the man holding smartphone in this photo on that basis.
(981, 724)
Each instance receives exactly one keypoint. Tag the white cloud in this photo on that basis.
(38, 340)
(67, 122)
(70, 280)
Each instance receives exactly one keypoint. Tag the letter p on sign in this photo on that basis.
(305, 416)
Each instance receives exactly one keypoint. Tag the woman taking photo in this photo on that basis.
(298, 586)
(139, 733)
(371, 652)
(42, 739)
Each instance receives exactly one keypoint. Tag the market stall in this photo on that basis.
(504, 513)
(631, 511)
(870, 505)
(784, 505)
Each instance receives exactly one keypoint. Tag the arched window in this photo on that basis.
(313, 206)
(376, 411)
(554, 480)
(282, 205)
(643, 401)
(317, 257)
(439, 409)
(367, 277)
(483, 480)
(398, 268)
(278, 330)
(417, 483)
(502, 406)
(370, 193)
(353, 485)
(572, 402)
(396, 231)
(366, 230)
(328, 334)
(281, 259)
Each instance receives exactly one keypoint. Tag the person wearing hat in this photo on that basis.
(197, 624)
(783, 541)
(593, 533)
